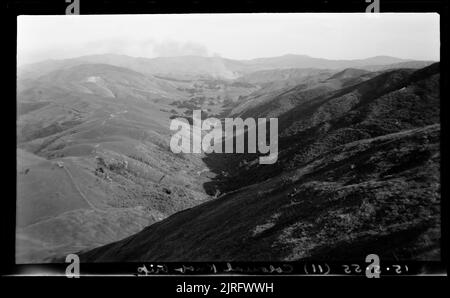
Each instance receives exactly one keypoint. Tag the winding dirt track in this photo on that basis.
(66, 169)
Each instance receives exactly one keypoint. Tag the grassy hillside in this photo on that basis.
(387, 103)
(93, 148)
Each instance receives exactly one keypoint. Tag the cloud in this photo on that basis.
(174, 48)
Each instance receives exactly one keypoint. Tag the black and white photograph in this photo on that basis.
(228, 137)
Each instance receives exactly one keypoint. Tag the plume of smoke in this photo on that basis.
(148, 48)
(174, 48)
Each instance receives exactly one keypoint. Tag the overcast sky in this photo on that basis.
(236, 36)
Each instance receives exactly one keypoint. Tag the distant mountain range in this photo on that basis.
(217, 67)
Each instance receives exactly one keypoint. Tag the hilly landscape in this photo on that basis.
(357, 170)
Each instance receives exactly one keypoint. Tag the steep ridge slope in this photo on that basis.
(274, 99)
(390, 102)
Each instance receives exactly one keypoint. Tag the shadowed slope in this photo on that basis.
(363, 195)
